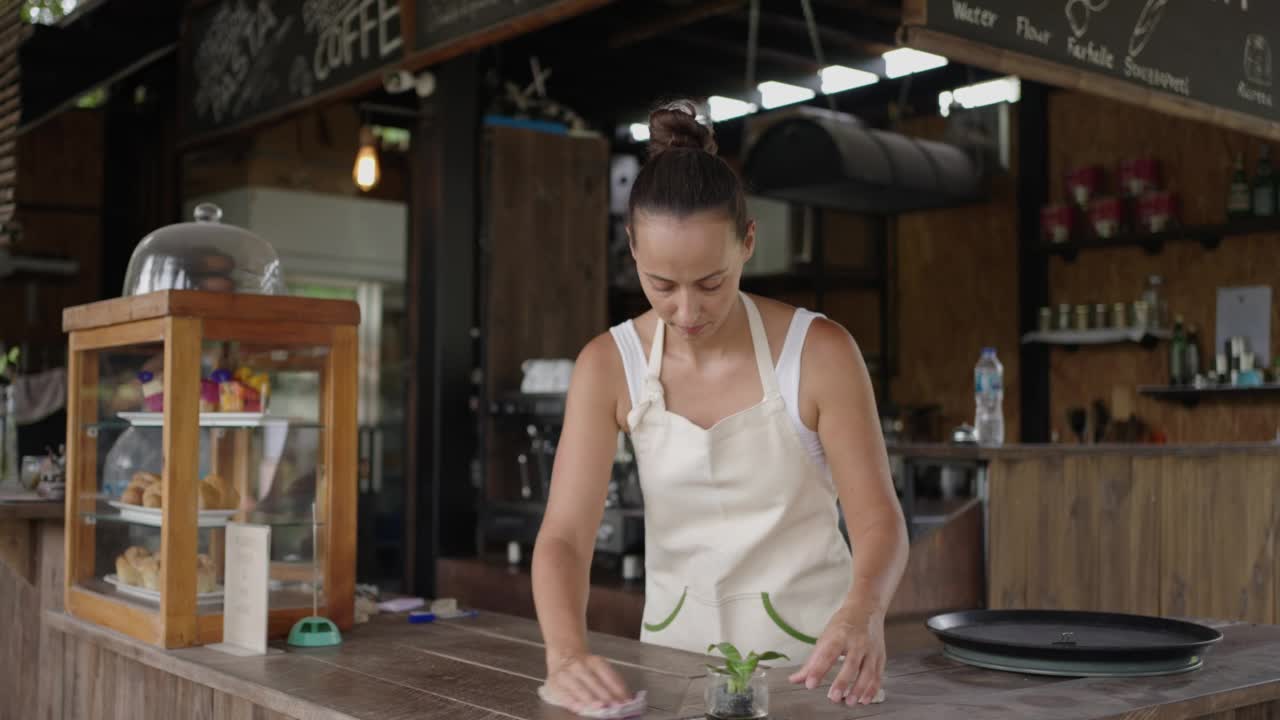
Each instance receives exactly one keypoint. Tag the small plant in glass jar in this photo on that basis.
(738, 689)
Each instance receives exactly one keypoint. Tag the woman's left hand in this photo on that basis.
(858, 635)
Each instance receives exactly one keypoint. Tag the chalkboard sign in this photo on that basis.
(1216, 52)
(247, 58)
(444, 21)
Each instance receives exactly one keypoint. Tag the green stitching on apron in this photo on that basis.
(782, 624)
(663, 625)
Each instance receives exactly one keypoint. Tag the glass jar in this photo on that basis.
(726, 699)
(1082, 317)
(29, 475)
(1120, 315)
(204, 255)
(1064, 317)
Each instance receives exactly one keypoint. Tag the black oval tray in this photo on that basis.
(1072, 634)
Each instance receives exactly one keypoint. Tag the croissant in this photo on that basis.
(130, 562)
(126, 572)
(144, 478)
(228, 498)
(210, 498)
(149, 568)
(132, 495)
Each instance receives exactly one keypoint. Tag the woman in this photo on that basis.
(742, 540)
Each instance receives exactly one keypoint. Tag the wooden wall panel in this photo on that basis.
(12, 30)
(545, 280)
(1196, 160)
(957, 291)
(60, 162)
(19, 644)
(90, 681)
(1128, 539)
(1172, 535)
(1014, 496)
(313, 150)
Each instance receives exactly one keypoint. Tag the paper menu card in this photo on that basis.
(1246, 312)
(245, 590)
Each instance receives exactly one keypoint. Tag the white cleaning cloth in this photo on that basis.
(632, 708)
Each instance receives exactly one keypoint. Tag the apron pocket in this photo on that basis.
(785, 626)
(664, 623)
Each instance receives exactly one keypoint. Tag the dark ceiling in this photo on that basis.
(613, 64)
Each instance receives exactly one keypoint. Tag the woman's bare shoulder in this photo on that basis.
(599, 364)
(776, 316)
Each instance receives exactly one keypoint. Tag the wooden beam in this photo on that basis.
(801, 63)
(670, 22)
(826, 33)
(884, 12)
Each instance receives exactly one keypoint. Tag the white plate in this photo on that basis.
(155, 516)
(208, 419)
(154, 595)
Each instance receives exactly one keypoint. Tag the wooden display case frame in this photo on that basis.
(182, 320)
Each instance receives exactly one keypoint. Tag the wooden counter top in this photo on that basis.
(32, 510)
(946, 451)
(489, 667)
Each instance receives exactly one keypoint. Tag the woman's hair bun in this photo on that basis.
(675, 125)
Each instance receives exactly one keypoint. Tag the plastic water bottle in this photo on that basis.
(988, 398)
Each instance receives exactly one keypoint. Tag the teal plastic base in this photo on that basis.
(314, 631)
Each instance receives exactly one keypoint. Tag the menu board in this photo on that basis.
(247, 58)
(1215, 52)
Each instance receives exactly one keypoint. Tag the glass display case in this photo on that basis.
(189, 410)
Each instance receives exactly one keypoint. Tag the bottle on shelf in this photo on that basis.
(1264, 186)
(1151, 295)
(988, 399)
(1239, 197)
(1191, 361)
(1178, 355)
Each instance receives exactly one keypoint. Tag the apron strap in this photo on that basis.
(760, 342)
(653, 393)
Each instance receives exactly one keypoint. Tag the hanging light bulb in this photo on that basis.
(366, 172)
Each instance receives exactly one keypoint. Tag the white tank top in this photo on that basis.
(787, 370)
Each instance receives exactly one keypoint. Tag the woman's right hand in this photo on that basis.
(586, 682)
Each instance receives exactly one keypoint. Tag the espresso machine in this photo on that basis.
(531, 424)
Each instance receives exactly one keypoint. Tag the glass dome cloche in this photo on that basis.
(204, 255)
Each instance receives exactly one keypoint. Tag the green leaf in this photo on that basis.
(726, 649)
(718, 670)
(771, 655)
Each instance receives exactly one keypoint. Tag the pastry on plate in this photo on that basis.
(153, 496)
(128, 565)
(228, 498)
(149, 568)
(132, 495)
(210, 498)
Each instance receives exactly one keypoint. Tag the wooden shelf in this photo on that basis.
(1190, 396)
(1101, 336)
(1210, 236)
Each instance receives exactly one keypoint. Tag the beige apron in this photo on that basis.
(742, 541)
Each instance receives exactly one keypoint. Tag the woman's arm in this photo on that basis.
(834, 375)
(566, 539)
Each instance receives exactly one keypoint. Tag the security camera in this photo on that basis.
(398, 81)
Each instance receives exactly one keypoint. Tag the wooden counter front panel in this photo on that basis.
(1172, 535)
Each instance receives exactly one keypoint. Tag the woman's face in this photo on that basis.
(690, 268)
